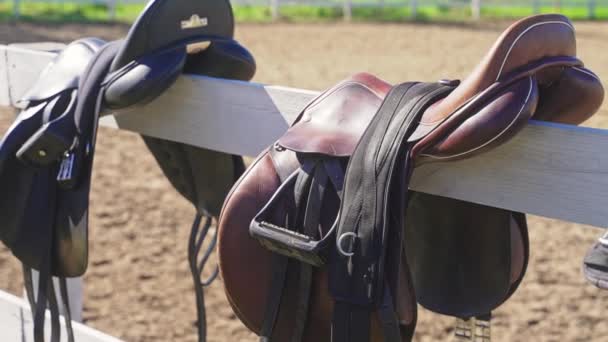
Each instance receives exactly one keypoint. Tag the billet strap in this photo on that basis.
(312, 220)
(281, 262)
(54, 309)
(277, 283)
(310, 183)
(375, 195)
(46, 296)
(63, 286)
(388, 317)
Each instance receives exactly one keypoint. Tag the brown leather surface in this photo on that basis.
(492, 123)
(527, 40)
(518, 252)
(572, 100)
(542, 48)
(336, 120)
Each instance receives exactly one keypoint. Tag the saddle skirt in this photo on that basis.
(337, 248)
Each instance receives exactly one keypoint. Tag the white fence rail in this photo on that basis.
(550, 170)
(16, 324)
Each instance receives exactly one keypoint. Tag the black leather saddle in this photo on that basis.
(46, 156)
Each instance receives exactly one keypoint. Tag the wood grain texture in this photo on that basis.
(550, 170)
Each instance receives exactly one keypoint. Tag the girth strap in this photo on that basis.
(310, 186)
(372, 210)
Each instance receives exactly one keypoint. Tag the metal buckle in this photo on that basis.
(339, 244)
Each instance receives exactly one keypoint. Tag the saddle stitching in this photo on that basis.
(531, 86)
(588, 72)
(318, 101)
(521, 35)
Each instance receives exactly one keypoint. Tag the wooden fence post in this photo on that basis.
(476, 9)
(112, 9)
(274, 9)
(16, 9)
(591, 7)
(348, 10)
(413, 9)
(75, 287)
(536, 6)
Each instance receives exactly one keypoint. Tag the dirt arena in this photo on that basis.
(138, 286)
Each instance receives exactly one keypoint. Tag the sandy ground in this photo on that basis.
(138, 287)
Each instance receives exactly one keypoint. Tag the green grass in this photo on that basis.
(72, 12)
(69, 12)
(574, 13)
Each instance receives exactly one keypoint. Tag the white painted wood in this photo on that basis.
(75, 287)
(16, 9)
(476, 9)
(536, 6)
(413, 8)
(232, 116)
(274, 9)
(348, 10)
(16, 324)
(23, 63)
(591, 4)
(550, 170)
(5, 96)
(112, 9)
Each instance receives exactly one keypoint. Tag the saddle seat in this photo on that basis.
(459, 258)
(535, 56)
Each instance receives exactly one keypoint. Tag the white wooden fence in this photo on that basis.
(550, 170)
(16, 324)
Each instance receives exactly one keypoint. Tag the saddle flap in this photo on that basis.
(333, 123)
(573, 98)
(142, 80)
(465, 259)
(485, 122)
(64, 71)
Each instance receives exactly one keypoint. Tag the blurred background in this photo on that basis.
(294, 10)
(138, 286)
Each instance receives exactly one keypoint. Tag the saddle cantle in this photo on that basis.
(46, 156)
(332, 194)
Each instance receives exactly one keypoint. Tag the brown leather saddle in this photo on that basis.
(321, 240)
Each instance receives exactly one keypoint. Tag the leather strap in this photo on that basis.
(372, 210)
(280, 266)
(63, 286)
(311, 184)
